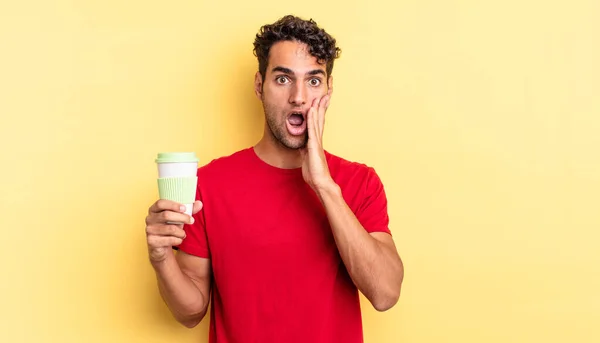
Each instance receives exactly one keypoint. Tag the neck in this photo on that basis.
(272, 152)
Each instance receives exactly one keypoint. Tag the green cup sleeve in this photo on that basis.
(178, 189)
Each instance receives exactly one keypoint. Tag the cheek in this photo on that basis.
(272, 108)
(316, 94)
(274, 95)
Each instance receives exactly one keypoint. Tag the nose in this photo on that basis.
(298, 94)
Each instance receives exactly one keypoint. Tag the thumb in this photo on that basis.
(197, 206)
(303, 152)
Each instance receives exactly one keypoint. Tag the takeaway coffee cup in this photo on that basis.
(177, 177)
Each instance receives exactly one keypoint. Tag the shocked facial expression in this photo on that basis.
(293, 79)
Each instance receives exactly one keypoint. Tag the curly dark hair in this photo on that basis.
(289, 28)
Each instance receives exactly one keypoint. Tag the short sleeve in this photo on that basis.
(373, 212)
(196, 241)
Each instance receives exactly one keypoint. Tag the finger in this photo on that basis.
(164, 204)
(310, 123)
(165, 230)
(322, 110)
(197, 206)
(170, 217)
(317, 120)
(163, 241)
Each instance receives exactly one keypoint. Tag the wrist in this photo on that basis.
(160, 262)
(328, 189)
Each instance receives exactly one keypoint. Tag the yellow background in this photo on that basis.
(481, 117)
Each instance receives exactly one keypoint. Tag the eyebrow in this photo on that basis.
(291, 72)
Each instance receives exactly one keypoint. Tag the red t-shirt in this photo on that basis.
(277, 273)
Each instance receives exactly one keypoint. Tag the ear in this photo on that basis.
(330, 86)
(258, 85)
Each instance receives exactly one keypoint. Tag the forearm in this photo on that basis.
(375, 268)
(182, 296)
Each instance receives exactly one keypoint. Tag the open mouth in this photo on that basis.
(296, 119)
(296, 123)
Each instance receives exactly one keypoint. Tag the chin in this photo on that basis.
(281, 136)
(294, 143)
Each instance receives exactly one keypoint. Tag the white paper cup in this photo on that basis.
(177, 178)
(174, 169)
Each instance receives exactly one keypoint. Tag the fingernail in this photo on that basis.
(191, 220)
(182, 208)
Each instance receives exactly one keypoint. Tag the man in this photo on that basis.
(284, 234)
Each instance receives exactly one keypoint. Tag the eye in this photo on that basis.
(281, 80)
(314, 82)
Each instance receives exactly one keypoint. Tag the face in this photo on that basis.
(293, 79)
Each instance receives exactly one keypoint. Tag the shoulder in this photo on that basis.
(341, 165)
(352, 173)
(226, 164)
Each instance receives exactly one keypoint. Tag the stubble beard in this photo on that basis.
(279, 132)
